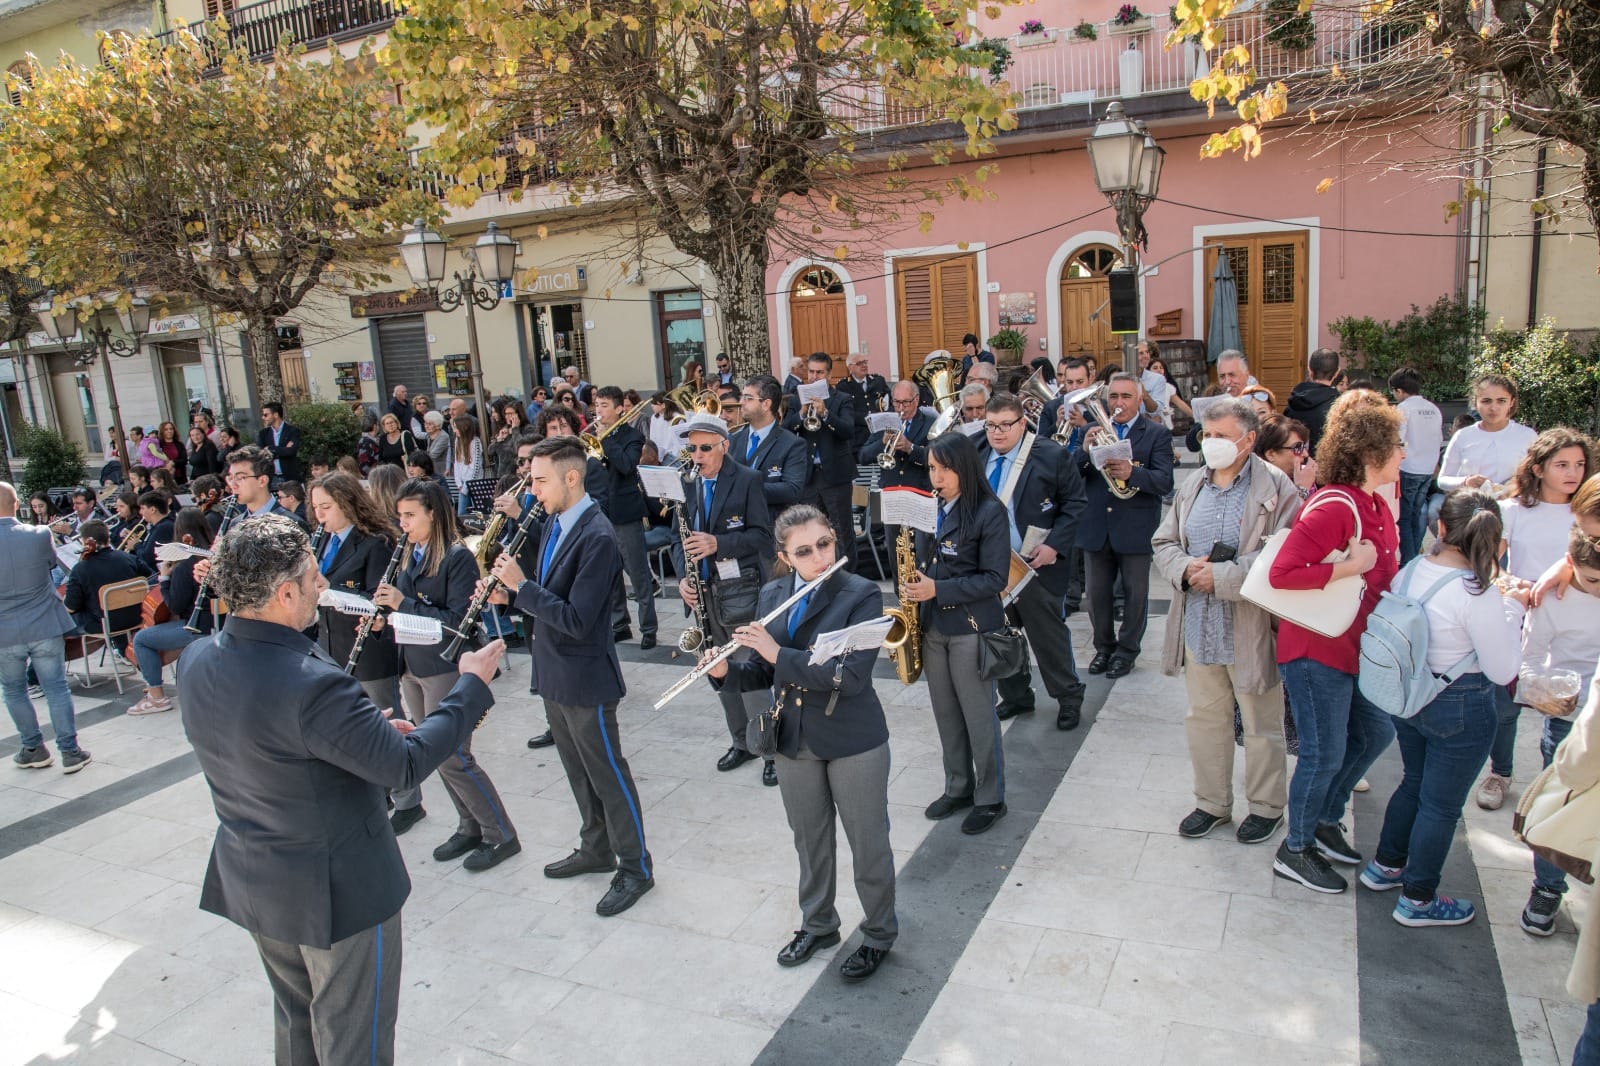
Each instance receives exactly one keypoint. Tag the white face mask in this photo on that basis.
(1219, 452)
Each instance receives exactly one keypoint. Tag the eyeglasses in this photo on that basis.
(805, 551)
(1000, 427)
(1301, 448)
(702, 448)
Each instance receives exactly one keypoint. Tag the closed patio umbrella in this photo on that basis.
(1222, 326)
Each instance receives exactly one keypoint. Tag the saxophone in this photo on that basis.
(904, 639)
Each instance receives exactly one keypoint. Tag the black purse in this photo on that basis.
(1000, 653)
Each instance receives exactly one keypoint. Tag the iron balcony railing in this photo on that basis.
(260, 26)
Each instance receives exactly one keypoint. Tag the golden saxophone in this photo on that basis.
(486, 545)
(904, 639)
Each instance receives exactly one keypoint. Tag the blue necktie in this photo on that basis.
(797, 614)
(416, 555)
(994, 475)
(705, 524)
(327, 556)
(755, 442)
(938, 523)
(1122, 431)
(550, 548)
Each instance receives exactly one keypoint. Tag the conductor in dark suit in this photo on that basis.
(1042, 490)
(780, 458)
(297, 759)
(832, 742)
(1116, 534)
(281, 440)
(568, 602)
(910, 444)
(831, 488)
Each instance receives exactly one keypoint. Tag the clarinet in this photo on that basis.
(696, 634)
(202, 598)
(364, 629)
(469, 621)
(319, 537)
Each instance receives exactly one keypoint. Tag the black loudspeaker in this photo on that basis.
(1124, 301)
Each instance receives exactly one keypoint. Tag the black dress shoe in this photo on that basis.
(769, 774)
(624, 893)
(578, 863)
(543, 740)
(1070, 714)
(862, 963)
(945, 806)
(1011, 710)
(488, 856)
(804, 945)
(1121, 666)
(403, 820)
(1199, 823)
(647, 642)
(458, 845)
(979, 819)
(735, 758)
(1098, 664)
(620, 635)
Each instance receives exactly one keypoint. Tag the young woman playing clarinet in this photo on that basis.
(833, 743)
(438, 577)
(961, 572)
(358, 541)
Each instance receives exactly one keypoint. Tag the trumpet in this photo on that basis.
(1101, 433)
(202, 597)
(886, 458)
(133, 535)
(364, 629)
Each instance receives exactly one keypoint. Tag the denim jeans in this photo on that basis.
(1587, 1053)
(49, 658)
(1414, 490)
(1341, 735)
(1547, 875)
(1441, 749)
(1507, 711)
(149, 643)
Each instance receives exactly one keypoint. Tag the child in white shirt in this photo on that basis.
(1486, 455)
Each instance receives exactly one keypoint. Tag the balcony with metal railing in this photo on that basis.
(312, 23)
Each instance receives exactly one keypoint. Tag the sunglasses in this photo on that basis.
(701, 448)
(805, 551)
(1259, 397)
(1301, 448)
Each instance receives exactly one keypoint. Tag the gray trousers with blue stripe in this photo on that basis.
(608, 802)
(479, 811)
(336, 1004)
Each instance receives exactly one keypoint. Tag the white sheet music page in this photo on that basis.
(346, 602)
(862, 635)
(662, 482)
(907, 506)
(415, 629)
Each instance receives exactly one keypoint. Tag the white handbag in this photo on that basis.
(1560, 824)
(1330, 610)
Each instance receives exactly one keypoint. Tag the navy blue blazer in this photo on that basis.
(298, 760)
(834, 440)
(1049, 494)
(161, 533)
(358, 567)
(910, 468)
(1127, 526)
(739, 519)
(623, 501)
(574, 658)
(969, 566)
(444, 595)
(286, 451)
(866, 395)
(856, 723)
(782, 459)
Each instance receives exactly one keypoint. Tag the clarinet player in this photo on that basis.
(359, 541)
(437, 579)
(832, 740)
(568, 602)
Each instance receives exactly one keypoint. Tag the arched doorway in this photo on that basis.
(818, 318)
(1086, 304)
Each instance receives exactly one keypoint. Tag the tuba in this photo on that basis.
(940, 375)
(1036, 394)
(904, 639)
(1101, 433)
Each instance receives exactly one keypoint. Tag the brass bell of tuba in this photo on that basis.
(1035, 394)
(1103, 432)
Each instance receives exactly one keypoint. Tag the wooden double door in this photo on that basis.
(1272, 273)
(936, 304)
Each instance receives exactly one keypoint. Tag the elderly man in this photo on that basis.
(32, 623)
(868, 389)
(1233, 376)
(909, 442)
(399, 405)
(974, 402)
(1223, 644)
(985, 374)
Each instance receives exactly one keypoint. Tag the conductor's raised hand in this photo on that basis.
(507, 569)
(483, 663)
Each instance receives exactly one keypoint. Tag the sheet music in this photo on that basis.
(1032, 539)
(415, 629)
(346, 603)
(662, 482)
(906, 506)
(812, 390)
(883, 422)
(67, 553)
(176, 551)
(1102, 454)
(859, 637)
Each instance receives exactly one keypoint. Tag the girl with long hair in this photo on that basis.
(1486, 454)
(466, 460)
(383, 483)
(359, 540)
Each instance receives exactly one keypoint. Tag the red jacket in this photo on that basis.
(1299, 566)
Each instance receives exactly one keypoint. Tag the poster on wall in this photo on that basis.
(452, 375)
(348, 380)
(1018, 309)
(368, 371)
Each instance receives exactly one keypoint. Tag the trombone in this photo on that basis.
(592, 441)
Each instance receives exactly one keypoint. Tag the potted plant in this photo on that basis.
(1129, 20)
(998, 53)
(1030, 27)
(1085, 31)
(1033, 33)
(1008, 346)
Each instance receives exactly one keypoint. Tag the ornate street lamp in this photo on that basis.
(493, 261)
(1127, 164)
(65, 326)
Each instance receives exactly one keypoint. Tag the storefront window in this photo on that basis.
(682, 328)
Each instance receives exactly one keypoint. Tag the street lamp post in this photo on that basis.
(1127, 170)
(493, 261)
(64, 325)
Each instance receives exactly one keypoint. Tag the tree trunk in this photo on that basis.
(740, 267)
(5, 467)
(262, 334)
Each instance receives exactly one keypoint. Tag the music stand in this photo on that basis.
(480, 494)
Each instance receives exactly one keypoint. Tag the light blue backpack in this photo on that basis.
(1394, 648)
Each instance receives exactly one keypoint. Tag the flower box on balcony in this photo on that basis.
(1129, 29)
(1033, 40)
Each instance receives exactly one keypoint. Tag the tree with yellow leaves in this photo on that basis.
(188, 171)
(739, 127)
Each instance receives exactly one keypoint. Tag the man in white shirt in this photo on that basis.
(1422, 429)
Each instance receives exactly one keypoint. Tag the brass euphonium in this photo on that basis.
(904, 639)
(940, 375)
(1036, 394)
(1103, 432)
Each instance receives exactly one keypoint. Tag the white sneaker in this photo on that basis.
(1492, 792)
